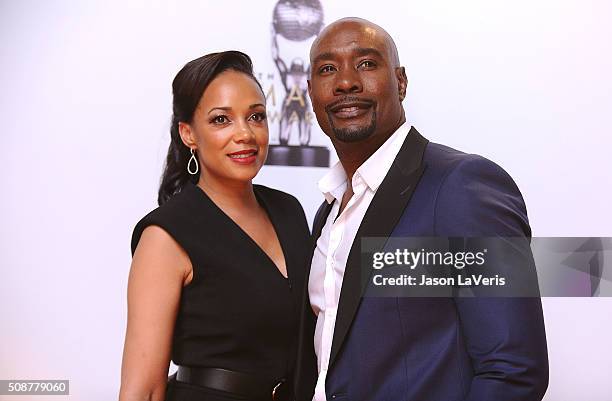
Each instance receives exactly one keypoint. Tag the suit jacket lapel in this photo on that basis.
(319, 220)
(381, 217)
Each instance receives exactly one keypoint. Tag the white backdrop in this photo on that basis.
(85, 106)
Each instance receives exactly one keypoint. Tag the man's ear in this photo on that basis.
(309, 88)
(187, 136)
(402, 82)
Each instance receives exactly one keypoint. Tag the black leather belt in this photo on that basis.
(241, 384)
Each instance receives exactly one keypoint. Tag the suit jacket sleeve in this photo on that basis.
(504, 336)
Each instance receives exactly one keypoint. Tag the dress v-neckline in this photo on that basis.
(268, 212)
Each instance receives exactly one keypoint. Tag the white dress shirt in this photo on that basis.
(337, 236)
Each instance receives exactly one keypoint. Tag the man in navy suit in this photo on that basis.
(392, 182)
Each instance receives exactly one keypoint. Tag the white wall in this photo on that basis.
(85, 108)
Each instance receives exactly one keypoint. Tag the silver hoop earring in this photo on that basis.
(195, 160)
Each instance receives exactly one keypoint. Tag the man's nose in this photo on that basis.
(347, 81)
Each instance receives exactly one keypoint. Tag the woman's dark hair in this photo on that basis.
(187, 89)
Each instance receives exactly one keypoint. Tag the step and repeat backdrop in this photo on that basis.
(85, 107)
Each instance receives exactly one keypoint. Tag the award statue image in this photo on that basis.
(296, 21)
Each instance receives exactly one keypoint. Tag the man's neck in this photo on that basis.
(353, 154)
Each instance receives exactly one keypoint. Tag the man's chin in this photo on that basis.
(356, 132)
(353, 134)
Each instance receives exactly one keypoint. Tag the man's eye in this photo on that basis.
(367, 64)
(219, 119)
(258, 117)
(326, 68)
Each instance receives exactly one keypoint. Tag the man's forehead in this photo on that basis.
(351, 36)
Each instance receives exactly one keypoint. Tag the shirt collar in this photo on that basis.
(333, 184)
(372, 171)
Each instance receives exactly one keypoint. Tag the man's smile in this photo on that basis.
(348, 108)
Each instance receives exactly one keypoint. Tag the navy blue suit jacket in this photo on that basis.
(432, 349)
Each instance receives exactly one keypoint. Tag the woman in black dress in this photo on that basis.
(218, 268)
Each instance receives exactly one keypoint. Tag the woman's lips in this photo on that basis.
(243, 156)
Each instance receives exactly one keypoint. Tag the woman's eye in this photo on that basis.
(326, 68)
(258, 117)
(219, 119)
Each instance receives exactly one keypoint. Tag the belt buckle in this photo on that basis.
(276, 388)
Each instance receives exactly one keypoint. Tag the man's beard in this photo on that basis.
(355, 134)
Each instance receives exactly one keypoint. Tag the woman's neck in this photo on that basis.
(229, 194)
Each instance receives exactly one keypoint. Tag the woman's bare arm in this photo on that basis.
(160, 268)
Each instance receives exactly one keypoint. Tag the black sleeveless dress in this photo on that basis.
(238, 312)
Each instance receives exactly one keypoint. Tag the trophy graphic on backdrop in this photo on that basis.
(295, 21)
(296, 101)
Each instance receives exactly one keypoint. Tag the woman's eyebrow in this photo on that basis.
(219, 108)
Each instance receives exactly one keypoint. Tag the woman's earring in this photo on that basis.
(194, 159)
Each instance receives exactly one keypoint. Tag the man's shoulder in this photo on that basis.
(450, 163)
(438, 155)
(472, 193)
